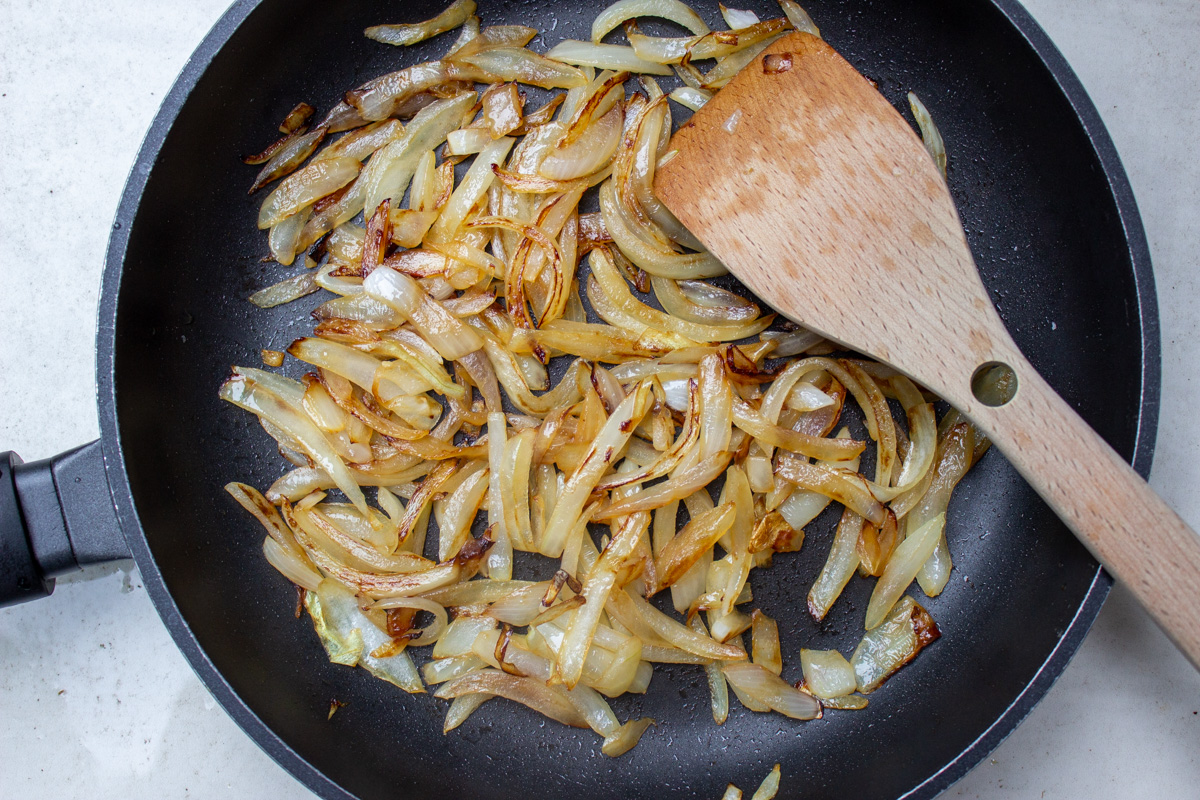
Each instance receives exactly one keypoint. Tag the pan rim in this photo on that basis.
(315, 780)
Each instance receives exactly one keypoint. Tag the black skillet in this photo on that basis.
(1055, 231)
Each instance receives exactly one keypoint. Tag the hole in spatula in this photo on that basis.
(994, 383)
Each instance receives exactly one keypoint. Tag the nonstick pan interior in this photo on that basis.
(1050, 241)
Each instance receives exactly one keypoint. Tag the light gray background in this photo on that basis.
(95, 700)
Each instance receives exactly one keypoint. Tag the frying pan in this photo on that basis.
(1032, 169)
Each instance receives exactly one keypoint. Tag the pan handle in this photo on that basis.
(56, 516)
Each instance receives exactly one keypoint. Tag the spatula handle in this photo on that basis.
(1120, 519)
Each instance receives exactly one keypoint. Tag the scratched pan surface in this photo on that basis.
(1053, 227)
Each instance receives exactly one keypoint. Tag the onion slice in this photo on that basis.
(454, 15)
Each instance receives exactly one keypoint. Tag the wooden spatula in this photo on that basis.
(817, 194)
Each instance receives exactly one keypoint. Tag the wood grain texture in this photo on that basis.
(819, 196)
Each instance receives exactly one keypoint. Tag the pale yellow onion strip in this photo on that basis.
(552, 219)
(429, 634)
(514, 488)
(611, 18)
(470, 191)
(799, 17)
(689, 98)
(515, 279)
(903, 565)
(603, 56)
(577, 539)
(479, 592)
(403, 585)
(649, 256)
(716, 407)
(462, 708)
(930, 134)
(680, 485)
(520, 606)
(284, 242)
(289, 565)
(390, 170)
(598, 584)
(245, 394)
(839, 567)
(827, 673)
(509, 375)
(781, 388)
(770, 689)
(490, 38)
(718, 688)
(454, 527)
(626, 737)
(499, 560)
(600, 455)
(363, 554)
(291, 154)
(533, 184)
(737, 543)
(764, 639)
(616, 316)
(590, 152)
(453, 16)
(769, 787)
(605, 343)
(614, 286)
(843, 486)
(737, 18)
(676, 301)
(443, 330)
(524, 66)
(460, 636)
(363, 142)
(548, 701)
(606, 90)
(443, 670)
(646, 621)
(338, 608)
(688, 588)
(305, 187)
(393, 94)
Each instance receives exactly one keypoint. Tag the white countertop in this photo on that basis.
(96, 702)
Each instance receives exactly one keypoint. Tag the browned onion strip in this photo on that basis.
(847, 488)
(288, 157)
(600, 455)
(885, 433)
(605, 274)
(530, 692)
(695, 539)
(681, 485)
(597, 586)
(749, 420)
(648, 622)
(688, 436)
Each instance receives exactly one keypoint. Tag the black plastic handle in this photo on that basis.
(56, 516)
